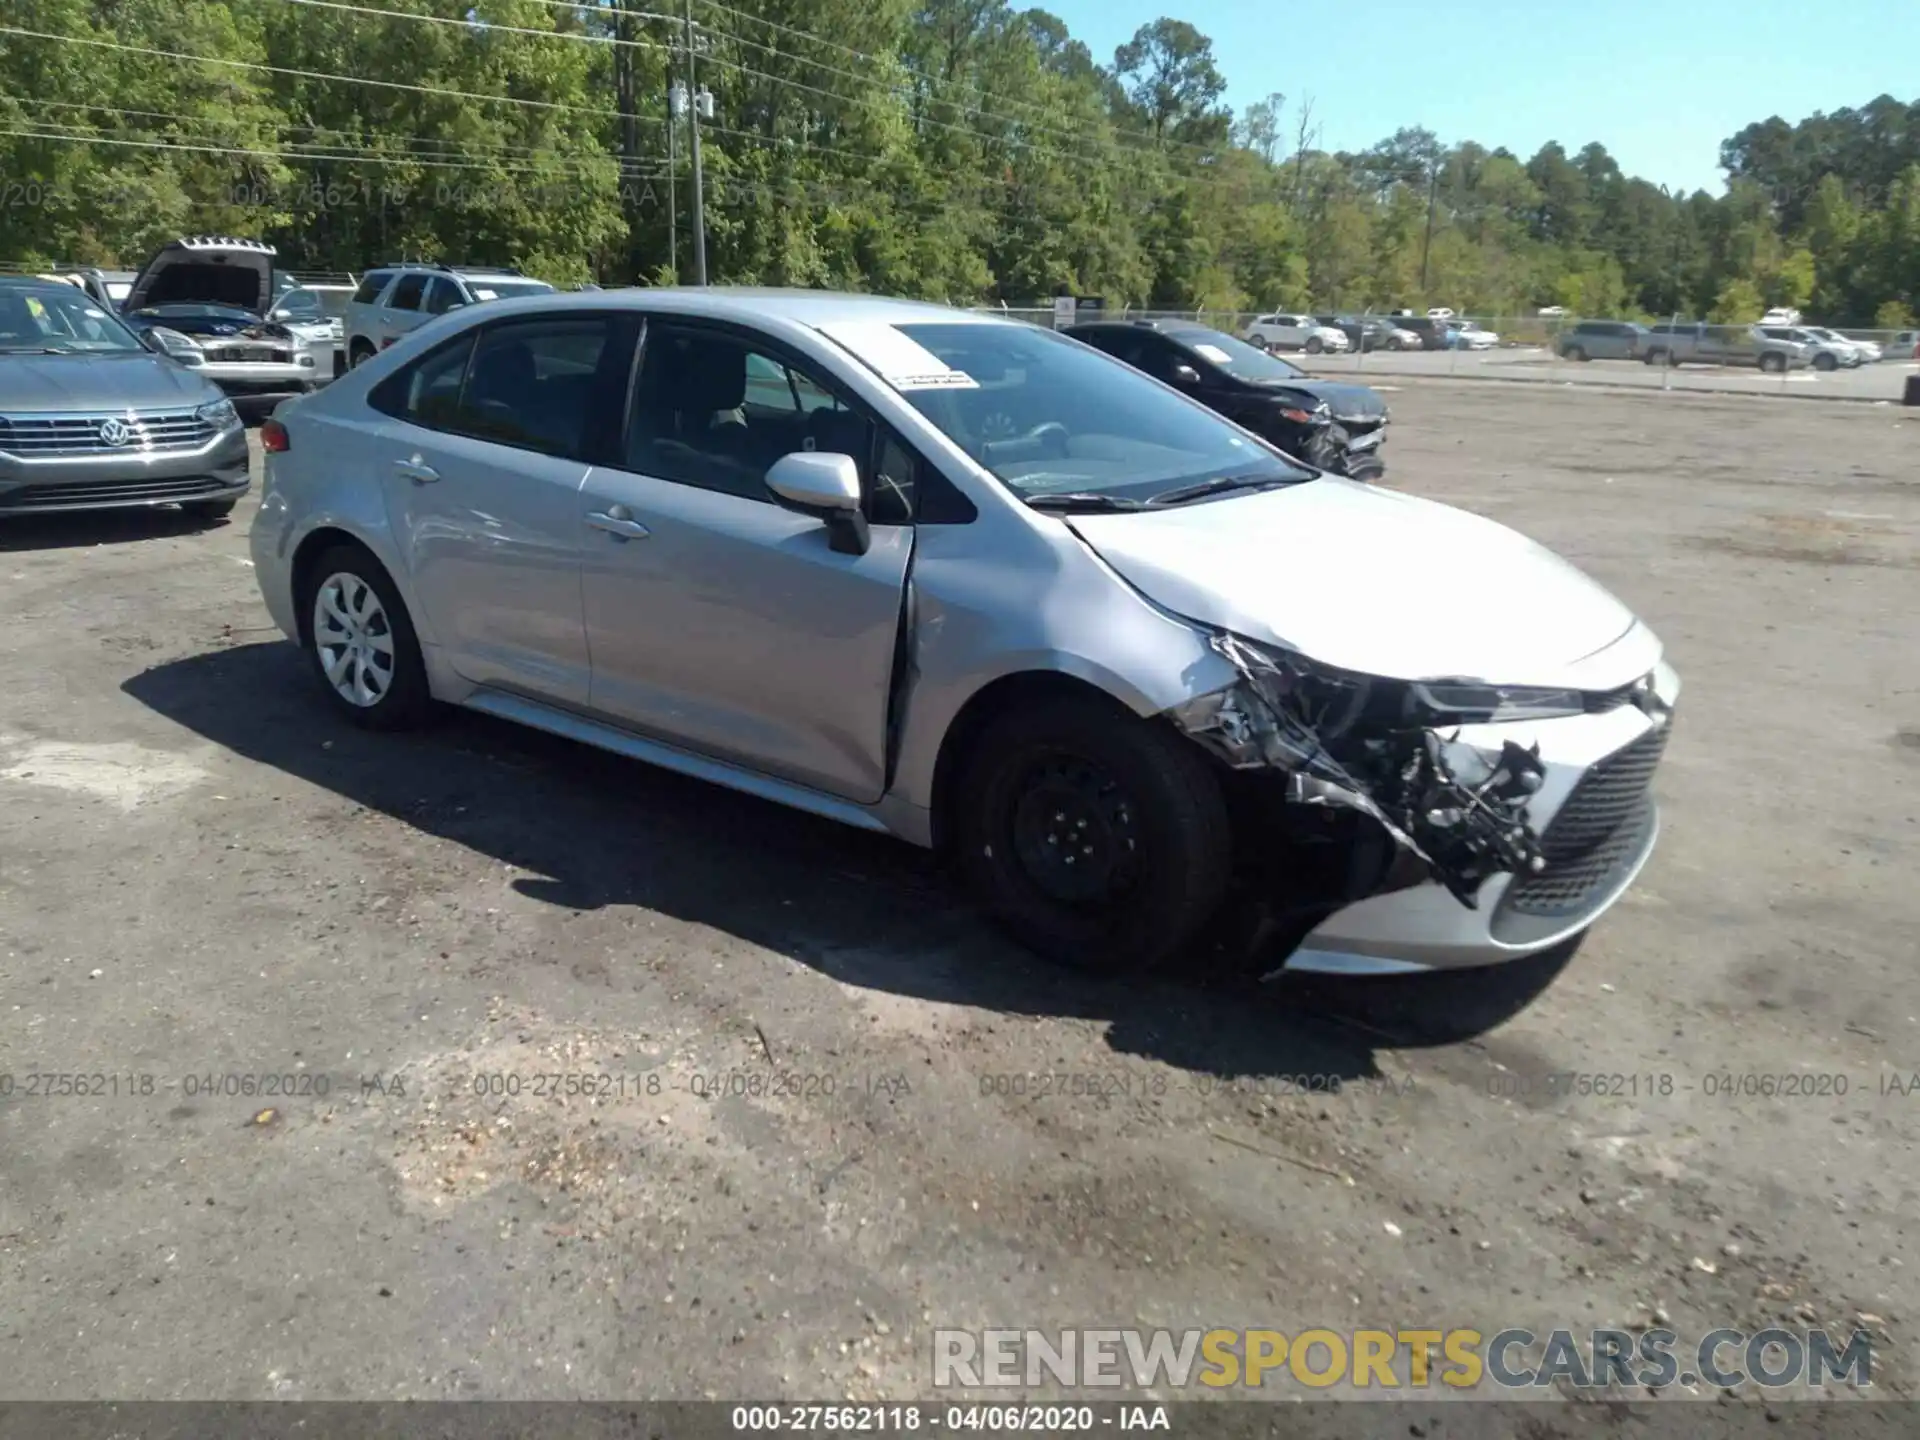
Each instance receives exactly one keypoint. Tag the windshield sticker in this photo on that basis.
(1214, 353)
(903, 363)
(93, 314)
(481, 294)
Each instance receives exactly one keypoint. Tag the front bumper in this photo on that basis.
(1598, 825)
(263, 377)
(215, 471)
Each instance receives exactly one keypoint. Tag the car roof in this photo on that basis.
(747, 304)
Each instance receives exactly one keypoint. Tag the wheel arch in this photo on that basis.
(315, 543)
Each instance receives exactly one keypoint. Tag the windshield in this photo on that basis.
(507, 289)
(299, 305)
(1047, 415)
(59, 318)
(1236, 357)
(190, 310)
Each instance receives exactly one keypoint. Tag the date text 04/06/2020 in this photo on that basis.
(908, 1417)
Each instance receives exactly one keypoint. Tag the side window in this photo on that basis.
(1117, 343)
(441, 295)
(428, 391)
(406, 295)
(713, 411)
(537, 385)
(1159, 359)
(371, 286)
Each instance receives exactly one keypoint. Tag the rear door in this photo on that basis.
(491, 439)
(718, 620)
(401, 310)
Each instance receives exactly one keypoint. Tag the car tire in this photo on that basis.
(1577, 354)
(1774, 364)
(352, 616)
(209, 509)
(1825, 362)
(1315, 345)
(1656, 357)
(1140, 801)
(359, 354)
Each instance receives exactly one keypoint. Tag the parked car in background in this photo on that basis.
(1331, 426)
(1603, 340)
(92, 418)
(396, 299)
(1426, 332)
(1365, 332)
(1905, 345)
(1781, 315)
(1868, 350)
(1467, 335)
(317, 315)
(205, 300)
(1822, 354)
(1296, 332)
(1691, 342)
(968, 582)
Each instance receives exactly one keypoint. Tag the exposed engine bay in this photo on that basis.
(1347, 741)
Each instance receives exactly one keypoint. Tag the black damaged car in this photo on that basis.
(1331, 426)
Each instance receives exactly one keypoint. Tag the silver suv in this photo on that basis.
(980, 586)
(395, 299)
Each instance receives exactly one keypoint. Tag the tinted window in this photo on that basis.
(534, 385)
(1046, 415)
(441, 295)
(427, 392)
(406, 295)
(371, 287)
(713, 410)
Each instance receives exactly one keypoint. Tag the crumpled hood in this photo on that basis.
(1347, 402)
(134, 380)
(1367, 580)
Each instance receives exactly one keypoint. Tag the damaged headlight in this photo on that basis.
(1462, 702)
(1374, 746)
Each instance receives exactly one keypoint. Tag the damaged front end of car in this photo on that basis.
(1313, 736)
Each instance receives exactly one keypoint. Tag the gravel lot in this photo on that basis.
(205, 875)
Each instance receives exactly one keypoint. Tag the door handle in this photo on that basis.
(417, 471)
(618, 522)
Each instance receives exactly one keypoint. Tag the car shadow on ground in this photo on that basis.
(73, 529)
(599, 830)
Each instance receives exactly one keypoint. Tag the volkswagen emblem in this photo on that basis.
(114, 433)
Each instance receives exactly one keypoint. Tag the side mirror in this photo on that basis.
(1185, 375)
(826, 487)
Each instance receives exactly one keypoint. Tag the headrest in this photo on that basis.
(700, 376)
(503, 372)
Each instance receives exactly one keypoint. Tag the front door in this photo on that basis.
(718, 620)
(490, 445)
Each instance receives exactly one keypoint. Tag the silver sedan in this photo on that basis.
(982, 587)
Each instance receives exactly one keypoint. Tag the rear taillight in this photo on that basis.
(273, 437)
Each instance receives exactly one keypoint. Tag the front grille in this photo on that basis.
(1598, 831)
(1567, 888)
(112, 492)
(250, 354)
(32, 436)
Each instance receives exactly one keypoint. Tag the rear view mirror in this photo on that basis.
(826, 487)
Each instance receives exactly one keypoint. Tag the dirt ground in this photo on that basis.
(824, 1131)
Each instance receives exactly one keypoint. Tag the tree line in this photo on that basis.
(960, 150)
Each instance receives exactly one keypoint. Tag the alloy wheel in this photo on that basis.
(354, 639)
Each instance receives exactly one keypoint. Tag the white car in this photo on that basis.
(1781, 315)
(1440, 312)
(1295, 332)
(1470, 336)
(1867, 350)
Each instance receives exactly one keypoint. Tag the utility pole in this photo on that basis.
(695, 102)
(673, 165)
(1426, 246)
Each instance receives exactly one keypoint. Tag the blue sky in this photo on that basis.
(1660, 83)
